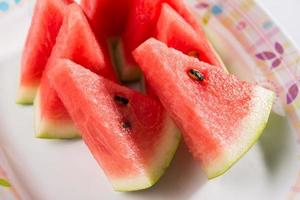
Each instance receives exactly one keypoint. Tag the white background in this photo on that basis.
(287, 14)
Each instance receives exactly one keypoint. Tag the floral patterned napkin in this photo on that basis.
(274, 58)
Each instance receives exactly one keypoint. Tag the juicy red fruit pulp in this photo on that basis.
(143, 17)
(46, 22)
(199, 107)
(121, 127)
(77, 42)
(107, 17)
(173, 30)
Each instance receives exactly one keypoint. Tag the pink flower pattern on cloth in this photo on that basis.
(269, 47)
(274, 56)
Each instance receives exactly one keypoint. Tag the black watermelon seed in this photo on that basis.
(126, 124)
(121, 100)
(196, 75)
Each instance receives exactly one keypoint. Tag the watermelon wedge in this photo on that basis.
(129, 134)
(108, 18)
(77, 42)
(143, 17)
(220, 117)
(45, 25)
(174, 31)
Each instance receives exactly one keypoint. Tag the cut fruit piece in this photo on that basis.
(45, 25)
(129, 134)
(220, 116)
(77, 42)
(174, 31)
(143, 17)
(26, 94)
(107, 18)
(53, 127)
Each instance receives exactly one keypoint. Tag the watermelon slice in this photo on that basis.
(77, 42)
(129, 134)
(46, 22)
(174, 31)
(143, 17)
(185, 39)
(220, 116)
(108, 18)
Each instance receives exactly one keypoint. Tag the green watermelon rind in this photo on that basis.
(132, 75)
(167, 147)
(48, 129)
(26, 95)
(166, 161)
(265, 100)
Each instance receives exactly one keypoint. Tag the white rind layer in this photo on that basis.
(250, 129)
(26, 95)
(50, 129)
(163, 156)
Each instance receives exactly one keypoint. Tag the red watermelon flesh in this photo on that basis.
(129, 134)
(220, 117)
(45, 25)
(174, 31)
(77, 42)
(107, 17)
(143, 17)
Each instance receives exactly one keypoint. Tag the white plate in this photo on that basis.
(62, 170)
